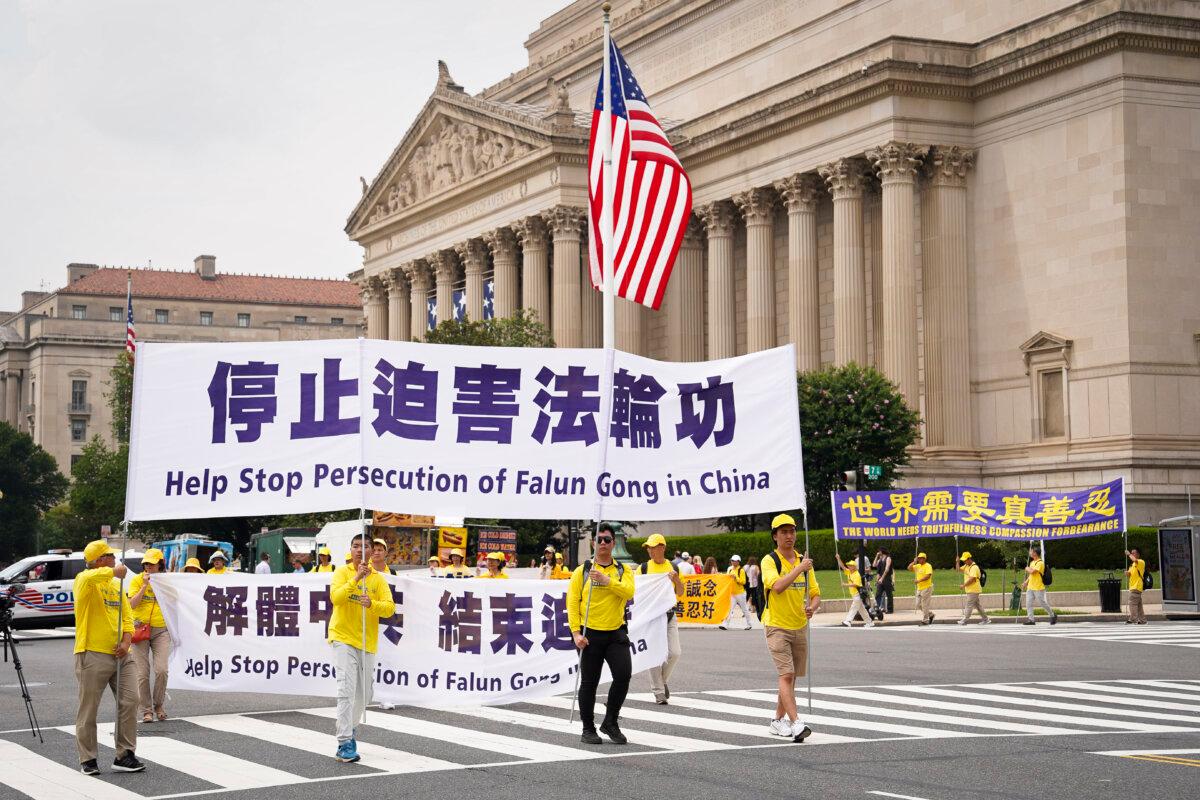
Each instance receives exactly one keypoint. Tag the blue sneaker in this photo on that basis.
(347, 752)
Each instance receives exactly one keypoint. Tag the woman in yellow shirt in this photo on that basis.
(495, 566)
(146, 611)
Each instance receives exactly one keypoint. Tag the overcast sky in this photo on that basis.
(158, 130)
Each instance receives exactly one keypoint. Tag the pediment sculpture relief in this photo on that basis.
(454, 152)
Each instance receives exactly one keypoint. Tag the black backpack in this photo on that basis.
(587, 567)
(779, 571)
(982, 577)
(674, 566)
(1047, 574)
(1147, 579)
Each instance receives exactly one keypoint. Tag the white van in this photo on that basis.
(48, 600)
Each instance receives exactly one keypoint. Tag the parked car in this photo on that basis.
(48, 600)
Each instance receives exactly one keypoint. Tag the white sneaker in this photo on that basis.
(781, 727)
(986, 621)
(387, 706)
(798, 728)
(870, 625)
(846, 624)
(962, 622)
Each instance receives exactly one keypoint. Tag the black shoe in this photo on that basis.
(666, 691)
(611, 730)
(591, 737)
(802, 735)
(931, 619)
(1029, 622)
(1128, 622)
(1054, 619)
(89, 768)
(128, 763)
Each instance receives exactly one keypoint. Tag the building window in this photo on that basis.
(1048, 364)
(74, 460)
(1053, 416)
(116, 314)
(78, 430)
(336, 321)
(78, 395)
(206, 318)
(243, 320)
(301, 319)
(78, 312)
(161, 316)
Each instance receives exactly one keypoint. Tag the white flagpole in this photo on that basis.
(608, 188)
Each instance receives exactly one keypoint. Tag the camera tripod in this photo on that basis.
(11, 643)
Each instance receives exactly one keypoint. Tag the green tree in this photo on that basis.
(120, 396)
(98, 485)
(520, 330)
(849, 416)
(31, 484)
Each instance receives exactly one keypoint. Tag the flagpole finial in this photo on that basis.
(607, 7)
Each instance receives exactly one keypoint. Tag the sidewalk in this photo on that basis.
(951, 616)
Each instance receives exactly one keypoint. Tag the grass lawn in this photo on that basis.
(947, 581)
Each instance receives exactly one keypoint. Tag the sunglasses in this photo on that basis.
(604, 540)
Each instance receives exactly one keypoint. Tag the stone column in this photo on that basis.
(566, 224)
(800, 193)
(591, 304)
(417, 273)
(685, 323)
(897, 163)
(503, 244)
(845, 180)
(474, 260)
(399, 306)
(718, 219)
(12, 398)
(535, 284)
(445, 271)
(630, 334)
(758, 209)
(947, 342)
(375, 296)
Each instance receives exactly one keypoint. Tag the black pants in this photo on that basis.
(611, 647)
(883, 597)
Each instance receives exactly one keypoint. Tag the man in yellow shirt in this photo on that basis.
(103, 634)
(792, 596)
(738, 596)
(852, 580)
(598, 596)
(923, 575)
(359, 595)
(155, 651)
(656, 546)
(324, 561)
(495, 566)
(1137, 583)
(560, 573)
(217, 564)
(972, 588)
(458, 567)
(1035, 587)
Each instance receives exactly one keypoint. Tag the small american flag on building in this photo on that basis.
(130, 331)
(652, 197)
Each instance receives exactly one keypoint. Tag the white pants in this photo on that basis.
(353, 695)
(662, 673)
(738, 600)
(856, 608)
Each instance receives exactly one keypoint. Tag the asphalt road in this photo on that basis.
(936, 713)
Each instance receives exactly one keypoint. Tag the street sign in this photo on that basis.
(873, 471)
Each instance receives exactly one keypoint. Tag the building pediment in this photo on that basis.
(457, 139)
(1045, 347)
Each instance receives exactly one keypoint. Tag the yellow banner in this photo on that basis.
(449, 539)
(705, 599)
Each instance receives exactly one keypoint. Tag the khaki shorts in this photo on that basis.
(789, 648)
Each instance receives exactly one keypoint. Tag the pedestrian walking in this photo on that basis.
(972, 587)
(656, 547)
(754, 585)
(1137, 583)
(923, 575)
(698, 565)
(263, 567)
(217, 563)
(1035, 587)
(737, 599)
(359, 596)
(788, 580)
(103, 635)
(598, 592)
(885, 582)
(152, 651)
(685, 565)
(852, 580)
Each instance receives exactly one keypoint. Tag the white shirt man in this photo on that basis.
(264, 565)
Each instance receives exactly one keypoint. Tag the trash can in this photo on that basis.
(1110, 595)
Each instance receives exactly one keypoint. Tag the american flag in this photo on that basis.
(130, 331)
(652, 197)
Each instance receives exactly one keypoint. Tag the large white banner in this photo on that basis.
(451, 642)
(288, 427)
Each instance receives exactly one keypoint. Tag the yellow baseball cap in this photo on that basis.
(920, 555)
(193, 563)
(558, 557)
(496, 555)
(434, 560)
(379, 541)
(457, 552)
(152, 556)
(97, 549)
(781, 520)
(347, 558)
(965, 555)
(655, 540)
(324, 551)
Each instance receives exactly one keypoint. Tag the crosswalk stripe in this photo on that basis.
(1122, 688)
(925, 716)
(474, 738)
(1041, 693)
(762, 712)
(1113, 695)
(677, 744)
(42, 779)
(1178, 685)
(987, 711)
(1185, 751)
(323, 744)
(702, 724)
(226, 771)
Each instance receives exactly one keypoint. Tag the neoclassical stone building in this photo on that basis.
(995, 203)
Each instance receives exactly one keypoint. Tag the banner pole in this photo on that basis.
(362, 659)
(962, 601)
(607, 189)
(808, 626)
(579, 661)
(120, 630)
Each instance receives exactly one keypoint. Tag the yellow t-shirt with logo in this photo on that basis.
(461, 571)
(1136, 575)
(148, 610)
(98, 603)
(923, 574)
(854, 578)
(661, 569)
(739, 580)
(786, 609)
(346, 623)
(971, 571)
(1035, 577)
(607, 602)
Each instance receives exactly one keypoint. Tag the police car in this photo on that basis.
(47, 599)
